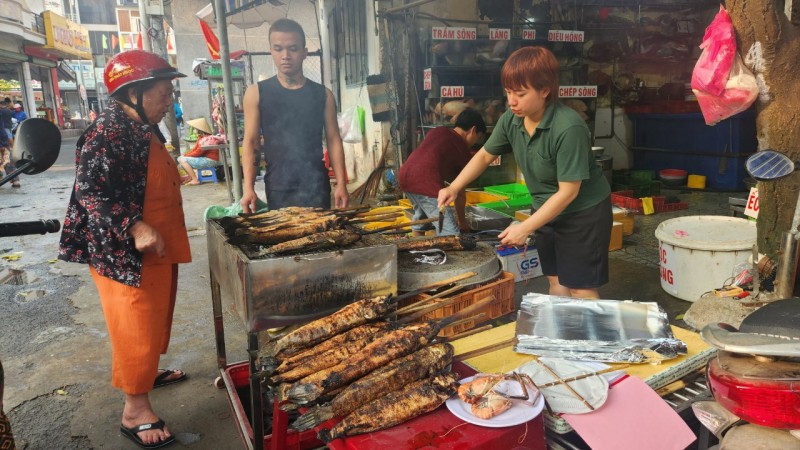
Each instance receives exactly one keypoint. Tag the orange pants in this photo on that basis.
(139, 321)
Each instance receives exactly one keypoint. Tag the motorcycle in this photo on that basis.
(755, 376)
(35, 149)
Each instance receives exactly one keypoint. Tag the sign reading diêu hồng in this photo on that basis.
(565, 36)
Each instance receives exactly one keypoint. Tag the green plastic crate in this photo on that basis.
(646, 189)
(512, 190)
(508, 207)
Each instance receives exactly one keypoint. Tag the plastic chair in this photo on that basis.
(209, 174)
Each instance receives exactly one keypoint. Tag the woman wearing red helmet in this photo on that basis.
(121, 220)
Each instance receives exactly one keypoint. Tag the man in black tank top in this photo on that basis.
(291, 111)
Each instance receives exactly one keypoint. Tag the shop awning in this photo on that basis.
(65, 72)
(13, 56)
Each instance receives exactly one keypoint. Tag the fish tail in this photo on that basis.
(312, 418)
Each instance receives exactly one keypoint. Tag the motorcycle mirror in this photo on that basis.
(36, 147)
(768, 165)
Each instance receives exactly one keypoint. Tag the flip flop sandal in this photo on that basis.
(131, 433)
(161, 379)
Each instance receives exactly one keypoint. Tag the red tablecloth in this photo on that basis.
(440, 429)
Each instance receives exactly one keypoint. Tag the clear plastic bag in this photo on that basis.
(349, 125)
(711, 71)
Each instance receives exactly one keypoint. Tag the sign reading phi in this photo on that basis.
(528, 35)
(751, 208)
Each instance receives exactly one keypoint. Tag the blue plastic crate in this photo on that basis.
(684, 141)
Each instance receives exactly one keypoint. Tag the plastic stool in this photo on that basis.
(209, 174)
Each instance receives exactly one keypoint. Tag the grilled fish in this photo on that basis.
(387, 348)
(352, 315)
(398, 373)
(323, 361)
(317, 241)
(399, 406)
(284, 361)
(289, 234)
(440, 242)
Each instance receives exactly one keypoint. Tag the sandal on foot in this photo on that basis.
(161, 379)
(132, 434)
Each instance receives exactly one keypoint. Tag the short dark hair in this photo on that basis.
(469, 118)
(532, 68)
(288, 26)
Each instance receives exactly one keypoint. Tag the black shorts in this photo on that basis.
(574, 247)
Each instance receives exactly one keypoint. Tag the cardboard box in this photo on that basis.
(625, 216)
(523, 263)
(616, 237)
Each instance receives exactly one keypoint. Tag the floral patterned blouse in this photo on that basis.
(108, 196)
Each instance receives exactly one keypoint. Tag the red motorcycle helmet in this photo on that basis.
(133, 66)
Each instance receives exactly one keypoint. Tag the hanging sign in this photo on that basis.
(427, 76)
(577, 91)
(499, 34)
(451, 91)
(751, 207)
(454, 33)
(528, 35)
(565, 36)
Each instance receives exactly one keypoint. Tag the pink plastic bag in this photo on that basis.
(719, 47)
(741, 90)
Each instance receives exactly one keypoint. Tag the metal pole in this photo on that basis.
(144, 25)
(230, 112)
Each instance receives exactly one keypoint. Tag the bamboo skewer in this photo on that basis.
(580, 377)
(561, 381)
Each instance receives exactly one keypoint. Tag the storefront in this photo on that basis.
(65, 40)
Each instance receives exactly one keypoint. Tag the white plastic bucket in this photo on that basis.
(698, 253)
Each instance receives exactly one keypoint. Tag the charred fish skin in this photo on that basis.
(323, 361)
(387, 348)
(278, 364)
(316, 241)
(460, 242)
(350, 316)
(413, 400)
(422, 363)
(400, 372)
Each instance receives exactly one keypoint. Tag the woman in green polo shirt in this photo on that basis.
(552, 147)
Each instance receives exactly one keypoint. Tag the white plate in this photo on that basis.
(562, 400)
(519, 412)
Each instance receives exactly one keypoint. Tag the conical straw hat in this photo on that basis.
(200, 124)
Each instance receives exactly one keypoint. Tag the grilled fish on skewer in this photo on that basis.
(246, 236)
(383, 350)
(396, 407)
(284, 362)
(323, 361)
(313, 242)
(352, 315)
(440, 242)
(398, 373)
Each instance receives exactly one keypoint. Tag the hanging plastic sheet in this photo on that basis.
(596, 330)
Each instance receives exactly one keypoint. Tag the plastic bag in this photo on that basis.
(740, 92)
(349, 125)
(719, 48)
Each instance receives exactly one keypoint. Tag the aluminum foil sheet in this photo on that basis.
(595, 330)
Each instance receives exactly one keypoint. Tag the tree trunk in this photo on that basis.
(770, 45)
